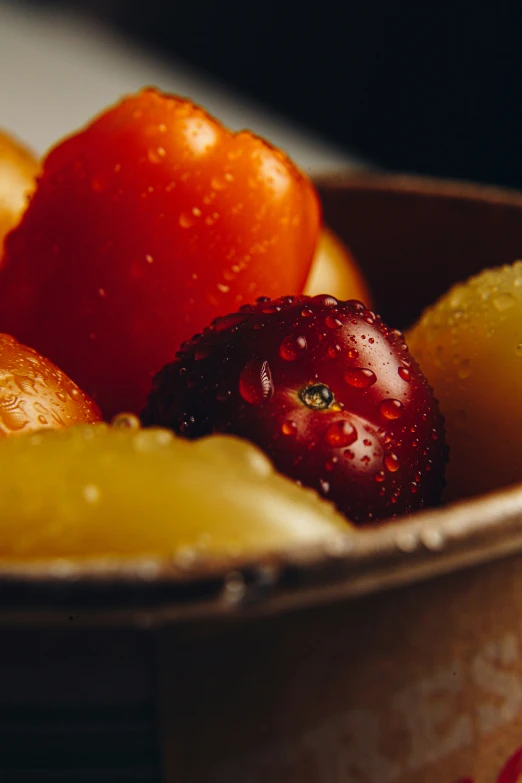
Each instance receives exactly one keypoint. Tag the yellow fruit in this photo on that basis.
(95, 490)
(35, 394)
(18, 170)
(336, 272)
(469, 346)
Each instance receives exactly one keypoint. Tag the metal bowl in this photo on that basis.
(390, 655)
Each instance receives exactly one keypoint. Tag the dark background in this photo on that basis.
(417, 86)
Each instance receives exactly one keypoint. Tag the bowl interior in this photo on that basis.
(415, 237)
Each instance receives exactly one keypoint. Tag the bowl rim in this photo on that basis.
(152, 590)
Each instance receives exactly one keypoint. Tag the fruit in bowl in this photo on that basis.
(36, 395)
(145, 225)
(95, 491)
(469, 344)
(18, 171)
(153, 223)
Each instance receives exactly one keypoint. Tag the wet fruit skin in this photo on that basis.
(329, 392)
(145, 225)
(100, 491)
(35, 394)
(334, 269)
(18, 171)
(469, 345)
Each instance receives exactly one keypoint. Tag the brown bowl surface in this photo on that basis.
(302, 666)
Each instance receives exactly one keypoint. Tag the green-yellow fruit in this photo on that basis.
(469, 346)
(94, 491)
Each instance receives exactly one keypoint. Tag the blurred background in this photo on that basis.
(411, 86)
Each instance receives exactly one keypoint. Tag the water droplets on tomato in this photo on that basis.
(360, 377)
(391, 462)
(228, 322)
(391, 409)
(292, 347)
(202, 351)
(340, 434)
(289, 428)
(255, 382)
(332, 322)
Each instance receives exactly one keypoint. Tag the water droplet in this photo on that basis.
(332, 323)
(340, 433)
(391, 409)
(504, 301)
(228, 322)
(348, 454)
(102, 292)
(380, 476)
(156, 155)
(217, 184)
(331, 463)
(61, 396)
(91, 493)
(334, 351)
(75, 393)
(360, 377)
(292, 347)
(255, 382)
(464, 369)
(126, 421)
(42, 420)
(145, 441)
(353, 353)
(404, 373)
(325, 300)
(289, 427)
(325, 486)
(391, 463)
(224, 289)
(185, 220)
(149, 259)
(306, 312)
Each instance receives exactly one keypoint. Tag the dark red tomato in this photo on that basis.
(146, 225)
(329, 392)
